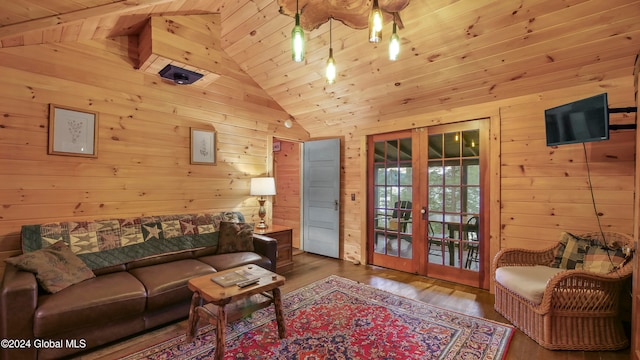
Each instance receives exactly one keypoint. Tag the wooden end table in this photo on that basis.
(218, 304)
(284, 236)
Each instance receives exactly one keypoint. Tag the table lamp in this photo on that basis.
(262, 186)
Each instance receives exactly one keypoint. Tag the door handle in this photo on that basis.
(423, 211)
(336, 205)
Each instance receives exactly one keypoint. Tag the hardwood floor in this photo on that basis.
(309, 268)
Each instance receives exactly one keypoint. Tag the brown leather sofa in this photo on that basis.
(122, 300)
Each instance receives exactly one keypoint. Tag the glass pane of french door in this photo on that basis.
(393, 197)
(453, 191)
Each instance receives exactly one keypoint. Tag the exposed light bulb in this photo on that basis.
(375, 23)
(331, 68)
(394, 44)
(297, 41)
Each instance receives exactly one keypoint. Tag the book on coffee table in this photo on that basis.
(237, 277)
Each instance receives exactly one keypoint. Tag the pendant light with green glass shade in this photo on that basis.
(331, 63)
(394, 42)
(375, 23)
(297, 39)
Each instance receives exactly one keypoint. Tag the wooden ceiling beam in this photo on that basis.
(49, 22)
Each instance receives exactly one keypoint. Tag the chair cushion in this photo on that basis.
(90, 303)
(526, 281)
(56, 267)
(227, 261)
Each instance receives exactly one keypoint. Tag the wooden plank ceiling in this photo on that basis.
(453, 53)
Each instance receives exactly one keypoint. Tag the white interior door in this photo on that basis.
(321, 197)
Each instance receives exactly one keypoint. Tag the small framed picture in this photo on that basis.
(72, 132)
(203, 146)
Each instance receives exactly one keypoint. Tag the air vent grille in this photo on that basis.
(179, 75)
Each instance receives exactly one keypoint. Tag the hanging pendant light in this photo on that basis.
(331, 63)
(394, 42)
(375, 23)
(297, 39)
(331, 68)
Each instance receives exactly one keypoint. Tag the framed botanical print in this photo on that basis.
(203, 146)
(72, 132)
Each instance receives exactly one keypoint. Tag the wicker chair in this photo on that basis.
(579, 309)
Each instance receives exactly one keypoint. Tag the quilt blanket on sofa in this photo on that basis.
(103, 243)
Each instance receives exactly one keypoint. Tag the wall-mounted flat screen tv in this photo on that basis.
(579, 121)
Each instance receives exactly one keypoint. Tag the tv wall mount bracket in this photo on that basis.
(622, 110)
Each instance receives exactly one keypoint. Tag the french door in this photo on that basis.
(426, 207)
(390, 185)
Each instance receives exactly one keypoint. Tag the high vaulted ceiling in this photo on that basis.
(454, 53)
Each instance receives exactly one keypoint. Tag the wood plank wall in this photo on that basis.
(635, 303)
(143, 155)
(287, 170)
(545, 190)
(143, 165)
(542, 190)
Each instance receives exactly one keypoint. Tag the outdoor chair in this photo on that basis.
(433, 240)
(472, 247)
(397, 222)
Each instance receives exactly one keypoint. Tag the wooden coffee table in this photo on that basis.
(218, 304)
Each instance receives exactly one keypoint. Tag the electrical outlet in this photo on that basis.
(353, 197)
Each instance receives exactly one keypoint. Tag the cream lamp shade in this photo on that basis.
(262, 186)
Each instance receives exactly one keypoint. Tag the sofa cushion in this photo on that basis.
(160, 259)
(571, 251)
(166, 283)
(234, 237)
(527, 281)
(89, 303)
(110, 269)
(56, 267)
(227, 261)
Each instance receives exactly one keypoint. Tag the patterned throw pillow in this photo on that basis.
(234, 237)
(602, 260)
(571, 252)
(56, 267)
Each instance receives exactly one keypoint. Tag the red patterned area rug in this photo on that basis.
(337, 318)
